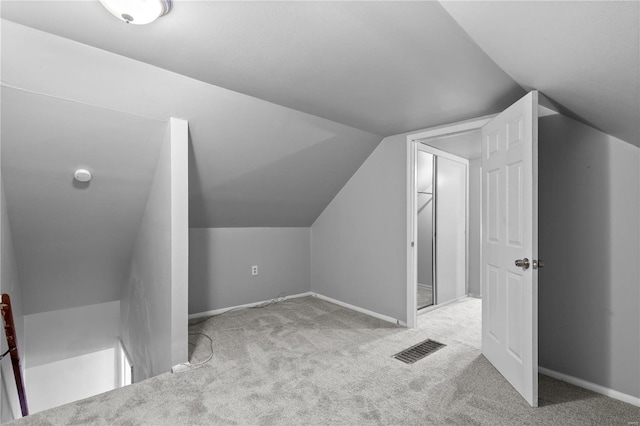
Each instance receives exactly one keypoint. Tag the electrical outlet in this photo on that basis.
(254, 270)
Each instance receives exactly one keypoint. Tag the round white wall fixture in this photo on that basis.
(82, 175)
(137, 12)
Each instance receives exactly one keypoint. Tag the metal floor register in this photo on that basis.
(419, 351)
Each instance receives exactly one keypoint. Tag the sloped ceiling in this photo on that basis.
(384, 67)
(332, 78)
(73, 242)
(378, 67)
(584, 56)
(254, 163)
(68, 105)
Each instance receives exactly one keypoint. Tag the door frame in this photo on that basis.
(412, 230)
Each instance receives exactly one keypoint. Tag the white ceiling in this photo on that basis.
(384, 67)
(583, 55)
(73, 242)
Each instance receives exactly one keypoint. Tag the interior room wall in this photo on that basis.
(451, 223)
(145, 303)
(9, 403)
(179, 130)
(589, 237)
(475, 199)
(70, 354)
(359, 242)
(147, 324)
(425, 218)
(50, 385)
(221, 261)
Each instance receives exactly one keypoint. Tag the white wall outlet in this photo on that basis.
(254, 270)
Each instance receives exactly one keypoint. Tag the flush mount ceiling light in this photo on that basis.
(137, 12)
(82, 175)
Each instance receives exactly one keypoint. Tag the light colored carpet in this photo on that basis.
(306, 361)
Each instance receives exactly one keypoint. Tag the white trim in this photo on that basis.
(591, 386)
(440, 153)
(247, 305)
(412, 234)
(412, 147)
(359, 309)
(438, 306)
(475, 296)
(122, 359)
(467, 246)
(449, 129)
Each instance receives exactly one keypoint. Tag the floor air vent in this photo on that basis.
(419, 351)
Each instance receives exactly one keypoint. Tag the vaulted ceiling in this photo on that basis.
(73, 241)
(383, 67)
(253, 163)
(285, 100)
(583, 55)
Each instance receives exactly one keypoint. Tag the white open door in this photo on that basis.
(510, 237)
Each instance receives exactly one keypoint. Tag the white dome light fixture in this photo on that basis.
(137, 12)
(82, 175)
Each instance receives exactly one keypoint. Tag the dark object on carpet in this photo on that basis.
(419, 351)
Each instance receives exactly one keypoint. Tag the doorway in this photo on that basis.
(509, 228)
(458, 147)
(442, 223)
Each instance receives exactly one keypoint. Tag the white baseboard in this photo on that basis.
(475, 296)
(591, 386)
(247, 305)
(361, 310)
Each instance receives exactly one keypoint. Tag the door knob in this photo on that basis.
(523, 263)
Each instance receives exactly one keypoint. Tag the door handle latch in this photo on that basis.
(538, 264)
(523, 263)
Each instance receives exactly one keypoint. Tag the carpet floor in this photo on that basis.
(309, 362)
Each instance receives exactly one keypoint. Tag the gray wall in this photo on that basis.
(589, 297)
(358, 243)
(475, 193)
(9, 403)
(221, 260)
(68, 333)
(146, 306)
